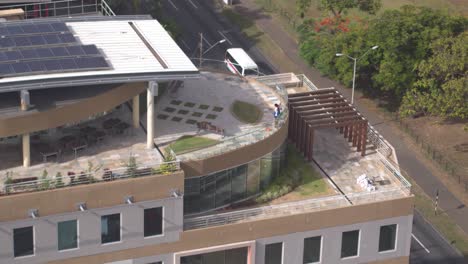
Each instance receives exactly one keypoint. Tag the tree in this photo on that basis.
(442, 86)
(338, 7)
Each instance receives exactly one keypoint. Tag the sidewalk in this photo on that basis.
(407, 157)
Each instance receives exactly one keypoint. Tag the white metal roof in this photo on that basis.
(124, 50)
(242, 58)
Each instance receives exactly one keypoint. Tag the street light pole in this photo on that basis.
(201, 48)
(354, 67)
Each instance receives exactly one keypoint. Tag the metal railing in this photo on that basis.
(269, 211)
(396, 172)
(89, 177)
(379, 142)
(63, 8)
(297, 207)
(306, 82)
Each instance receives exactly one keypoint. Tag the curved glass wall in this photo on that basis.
(229, 186)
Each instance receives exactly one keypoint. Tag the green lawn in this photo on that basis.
(191, 143)
(297, 180)
(246, 112)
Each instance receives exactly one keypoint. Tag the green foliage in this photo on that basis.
(58, 180)
(442, 86)
(169, 164)
(338, 7)
(8, 177)
(46, 183)
(416, 59)
(131, 166)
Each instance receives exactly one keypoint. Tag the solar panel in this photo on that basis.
(36, 66)
(13, 55)
(44, 53)
(20, 67)
(5, 69)
(45, 48)
(29, 54)
(37, 40)
(75, 50)
(52, 65)
(60, 51)
(68, 64)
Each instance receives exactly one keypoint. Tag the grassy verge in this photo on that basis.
(191, 143)
(297, 180)
(246, 112)
(262, 41)
(441, 221)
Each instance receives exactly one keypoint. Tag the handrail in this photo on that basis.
(89, 177)
(306, 82)
(295, 207)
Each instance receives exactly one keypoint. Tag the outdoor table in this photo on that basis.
(46, 155)
(79, 147)
(110, 123)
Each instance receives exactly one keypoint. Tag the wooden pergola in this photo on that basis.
(321, 109)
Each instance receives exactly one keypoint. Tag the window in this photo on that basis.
(387, 237)
(350, 244)
(153, 221)
(23, 241)
(312, 248)
(157, 262)
(110, 228)
(274, 253)
(67, 232)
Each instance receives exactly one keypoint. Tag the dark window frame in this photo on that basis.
(33, 242)
(282, 252)
(103, 242)
(393, 243)
(304, 261)
(161, 233)
(356, 254)
(77, 235)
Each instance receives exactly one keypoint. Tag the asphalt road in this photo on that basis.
(195, 16)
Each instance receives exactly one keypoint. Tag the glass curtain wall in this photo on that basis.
(226, 187)
(231, 256)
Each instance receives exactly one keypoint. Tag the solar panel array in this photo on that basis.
(44, 48)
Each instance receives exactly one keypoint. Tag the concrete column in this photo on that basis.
(25, 138)
(152, 91)
(136, 111)
(26, 151)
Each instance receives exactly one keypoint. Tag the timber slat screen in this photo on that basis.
(321, 109)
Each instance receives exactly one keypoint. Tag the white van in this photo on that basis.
(239, 62)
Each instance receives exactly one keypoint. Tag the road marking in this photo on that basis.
(173, 5)
(224, 36)
(185, 44)
(192, 3)
(419, 242)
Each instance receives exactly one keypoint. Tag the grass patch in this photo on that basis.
(189, 104)
(298, 177)
(264, 42)
(218, 109)
(442, 222)
(197, 114)
(211, 116)
(182, 112)
(203, 107)
(246, 112)
(191, 143)
(162, 116)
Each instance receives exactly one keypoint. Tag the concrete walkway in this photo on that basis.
(407, 157)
